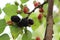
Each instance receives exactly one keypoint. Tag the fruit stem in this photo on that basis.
(25, 29)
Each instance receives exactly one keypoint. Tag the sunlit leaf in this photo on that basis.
(56, 36)
(0, 10)
(4, 37)
(21, 6)
(2, 25)
(45, 7)
(24, 1)
(27, 36)
(57, 19)
(7, 18)
(15, 30)
(23, 14)
(36, 21)
(39, 32)
(10, 10)
(58, 27)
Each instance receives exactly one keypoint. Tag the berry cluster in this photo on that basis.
(26, 22)
(36, 4)
(25, 9)
(21, 22)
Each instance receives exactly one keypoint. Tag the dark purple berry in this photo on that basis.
(19, 24)
(31, 22)
(23, 22)
(15, 19)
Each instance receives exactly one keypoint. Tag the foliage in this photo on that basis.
(4, 37)
(11, 9)
(2, 25)
(23, 1)
(27, 35)
(0, 10)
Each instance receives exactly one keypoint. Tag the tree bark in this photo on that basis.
(49, 21)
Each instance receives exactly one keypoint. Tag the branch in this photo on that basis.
(39, 6)
(49, 21)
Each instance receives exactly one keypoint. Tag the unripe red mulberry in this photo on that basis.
(36, 3)
(37, 38)
(25, 9)
(40, 16)
(41, 10)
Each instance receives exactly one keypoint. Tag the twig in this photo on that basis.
(39, 6)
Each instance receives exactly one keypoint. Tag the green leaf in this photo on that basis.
(23, 14)
(10, 9)
(16, 3)
(56, 28)
(21, 6)
(2, 25)
(7, 18)
(0, 10)
(15, 30)
(57, 19)
(57, 3)
(56, 36)
(36, 21)
(4, 37)
(45, 7)
(39, 32)
(24, 1)
(27, 36)
(32, 39)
